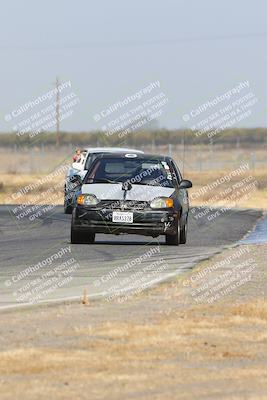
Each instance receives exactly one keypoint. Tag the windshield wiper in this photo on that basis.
(103, 181)
(150, 183)
(142, 183)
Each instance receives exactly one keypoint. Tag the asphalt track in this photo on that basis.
(114, 264)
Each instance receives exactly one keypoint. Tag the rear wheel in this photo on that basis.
(174, 240)
(67, 207)
(67, 204)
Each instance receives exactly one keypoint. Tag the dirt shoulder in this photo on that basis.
(201, 336)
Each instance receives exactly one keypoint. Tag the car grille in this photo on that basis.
(124, 204)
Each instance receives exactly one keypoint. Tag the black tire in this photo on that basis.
(67, 207)
(79, 237)
(174, 240)
(183, 233)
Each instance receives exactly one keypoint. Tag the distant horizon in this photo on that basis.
(144, 130)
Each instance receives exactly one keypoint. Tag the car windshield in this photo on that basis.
(136, 171)
(91, 157)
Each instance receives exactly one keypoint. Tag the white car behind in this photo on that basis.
(80, 168)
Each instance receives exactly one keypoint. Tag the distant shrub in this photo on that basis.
(244, 136)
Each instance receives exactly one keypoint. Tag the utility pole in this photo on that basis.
(183, 143)
(58, 111)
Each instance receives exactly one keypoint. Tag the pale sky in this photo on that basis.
(110, 49)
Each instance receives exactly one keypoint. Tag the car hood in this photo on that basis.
(113, 191)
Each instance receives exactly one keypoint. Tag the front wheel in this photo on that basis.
(183, 234)
(174, 240)
(79, 237)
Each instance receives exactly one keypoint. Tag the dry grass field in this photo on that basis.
(161, 345)
(21, 168)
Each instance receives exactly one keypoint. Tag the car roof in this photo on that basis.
(111, 150)
(139, 155)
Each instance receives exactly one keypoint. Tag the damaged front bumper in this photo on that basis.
(145, 222)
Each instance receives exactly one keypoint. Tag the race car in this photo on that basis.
(81, 167)
(132, 193)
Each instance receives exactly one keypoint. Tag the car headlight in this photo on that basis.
(87, 199)
(161, 202)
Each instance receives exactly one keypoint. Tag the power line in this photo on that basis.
(132, 43)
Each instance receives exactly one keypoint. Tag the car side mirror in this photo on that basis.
(76, 179)
(185, 184)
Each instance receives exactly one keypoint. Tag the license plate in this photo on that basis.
(118, 216)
